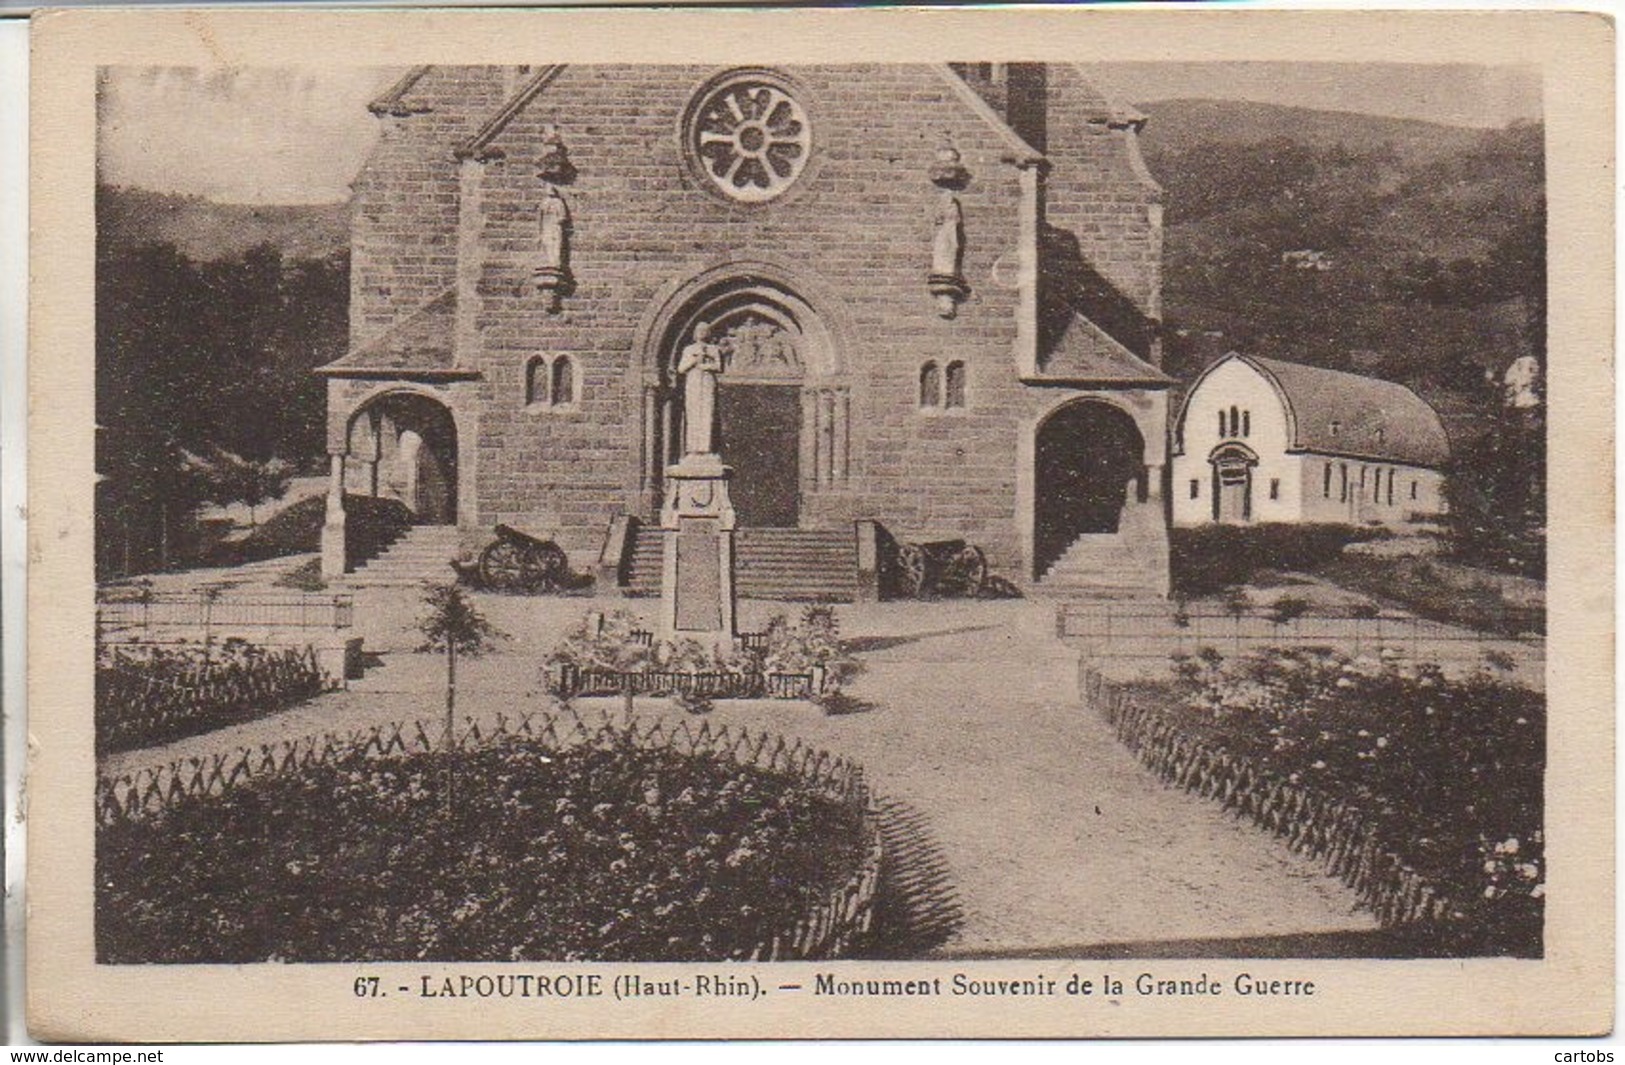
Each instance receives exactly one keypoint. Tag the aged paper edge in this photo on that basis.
(1568, 992)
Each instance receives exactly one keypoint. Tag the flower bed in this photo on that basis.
(558, 840)
(148, 694)
(611, 654)
(1422, 793)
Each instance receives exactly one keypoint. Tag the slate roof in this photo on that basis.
(419, 343)
(1373, 418)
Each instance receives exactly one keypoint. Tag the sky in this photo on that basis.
(292, 135)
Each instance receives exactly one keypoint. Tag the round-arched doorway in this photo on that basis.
(780, 414)
(1088, 456)
(403, 446)
(1233, 482)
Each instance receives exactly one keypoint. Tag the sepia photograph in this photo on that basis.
(550, 519)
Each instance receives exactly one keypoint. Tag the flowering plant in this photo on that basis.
(1450, 770)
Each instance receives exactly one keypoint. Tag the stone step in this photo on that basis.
(800, 564)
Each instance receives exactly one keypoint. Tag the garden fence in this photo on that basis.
(142, 610)
(570, 681)
(840, 919)
(148, 694)
(1312, 822)
(1163, 631)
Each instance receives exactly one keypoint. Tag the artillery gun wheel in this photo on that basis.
(911, 570)
(551, 564)
(503, 566)
(965, 572)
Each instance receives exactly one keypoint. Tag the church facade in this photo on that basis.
(934, 290)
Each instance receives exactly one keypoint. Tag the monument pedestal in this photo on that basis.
(697, 576)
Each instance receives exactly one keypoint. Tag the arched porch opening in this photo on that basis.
(403, 446)
(1088, 458)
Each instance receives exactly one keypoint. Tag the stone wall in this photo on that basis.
(852, 238)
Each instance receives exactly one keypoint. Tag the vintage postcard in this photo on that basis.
(657, 524)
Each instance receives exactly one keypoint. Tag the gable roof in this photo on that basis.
(420, 344)
(1084, 352)
(393, 101)
(1373, 418)
(480, 145)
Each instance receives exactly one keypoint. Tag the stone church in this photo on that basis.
(934, 289)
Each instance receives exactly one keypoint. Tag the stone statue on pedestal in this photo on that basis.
(699, 365)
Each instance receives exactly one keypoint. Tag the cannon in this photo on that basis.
(518, 562)
(941, 568)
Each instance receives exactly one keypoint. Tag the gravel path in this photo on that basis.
(1024, 826)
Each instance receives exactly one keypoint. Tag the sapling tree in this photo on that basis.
(451, 624)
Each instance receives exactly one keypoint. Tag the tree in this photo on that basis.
(450, 623)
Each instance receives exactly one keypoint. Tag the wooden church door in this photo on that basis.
(759, 435)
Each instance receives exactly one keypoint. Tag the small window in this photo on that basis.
(954, 385)
(1221, 423)
(536, 382)
(1342, 482)
(1335, 427)
(1326, 488)
(1390, 486)
(930, 385)
(1196, 488)
(1235, 422)
(1246, 423)
(564, 381)
(1413, 489)
(1275, 488)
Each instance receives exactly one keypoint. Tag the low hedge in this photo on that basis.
(371, 524)
(1437, 593)
(517, 850)
(1423, 793)
(1207, 559)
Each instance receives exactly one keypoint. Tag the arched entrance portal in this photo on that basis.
(780, 415)
(403, 445)
(1088, 457)
(1233, 482)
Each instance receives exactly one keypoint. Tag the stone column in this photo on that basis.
(840, 419)
(333, 535)
(697, 598)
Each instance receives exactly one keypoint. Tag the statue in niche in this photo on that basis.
(699, 364)
(553, 269)
(947, 244)
(947, 249)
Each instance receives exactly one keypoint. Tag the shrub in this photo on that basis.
(605, 853)
(1436, 592)
(1206, 559)
(371, 524)
(1451, 771)
(150, 694)
(815, 642)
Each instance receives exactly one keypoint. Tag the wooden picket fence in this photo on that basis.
(570, 681)
(1311, 821)
(838, 921)
(147, 694)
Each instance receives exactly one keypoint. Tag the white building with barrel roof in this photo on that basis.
(1263, 440)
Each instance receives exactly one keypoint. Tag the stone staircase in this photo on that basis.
(798, 564)
(1131, 563)
(422, 553)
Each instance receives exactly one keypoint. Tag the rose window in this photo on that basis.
(751, 139)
